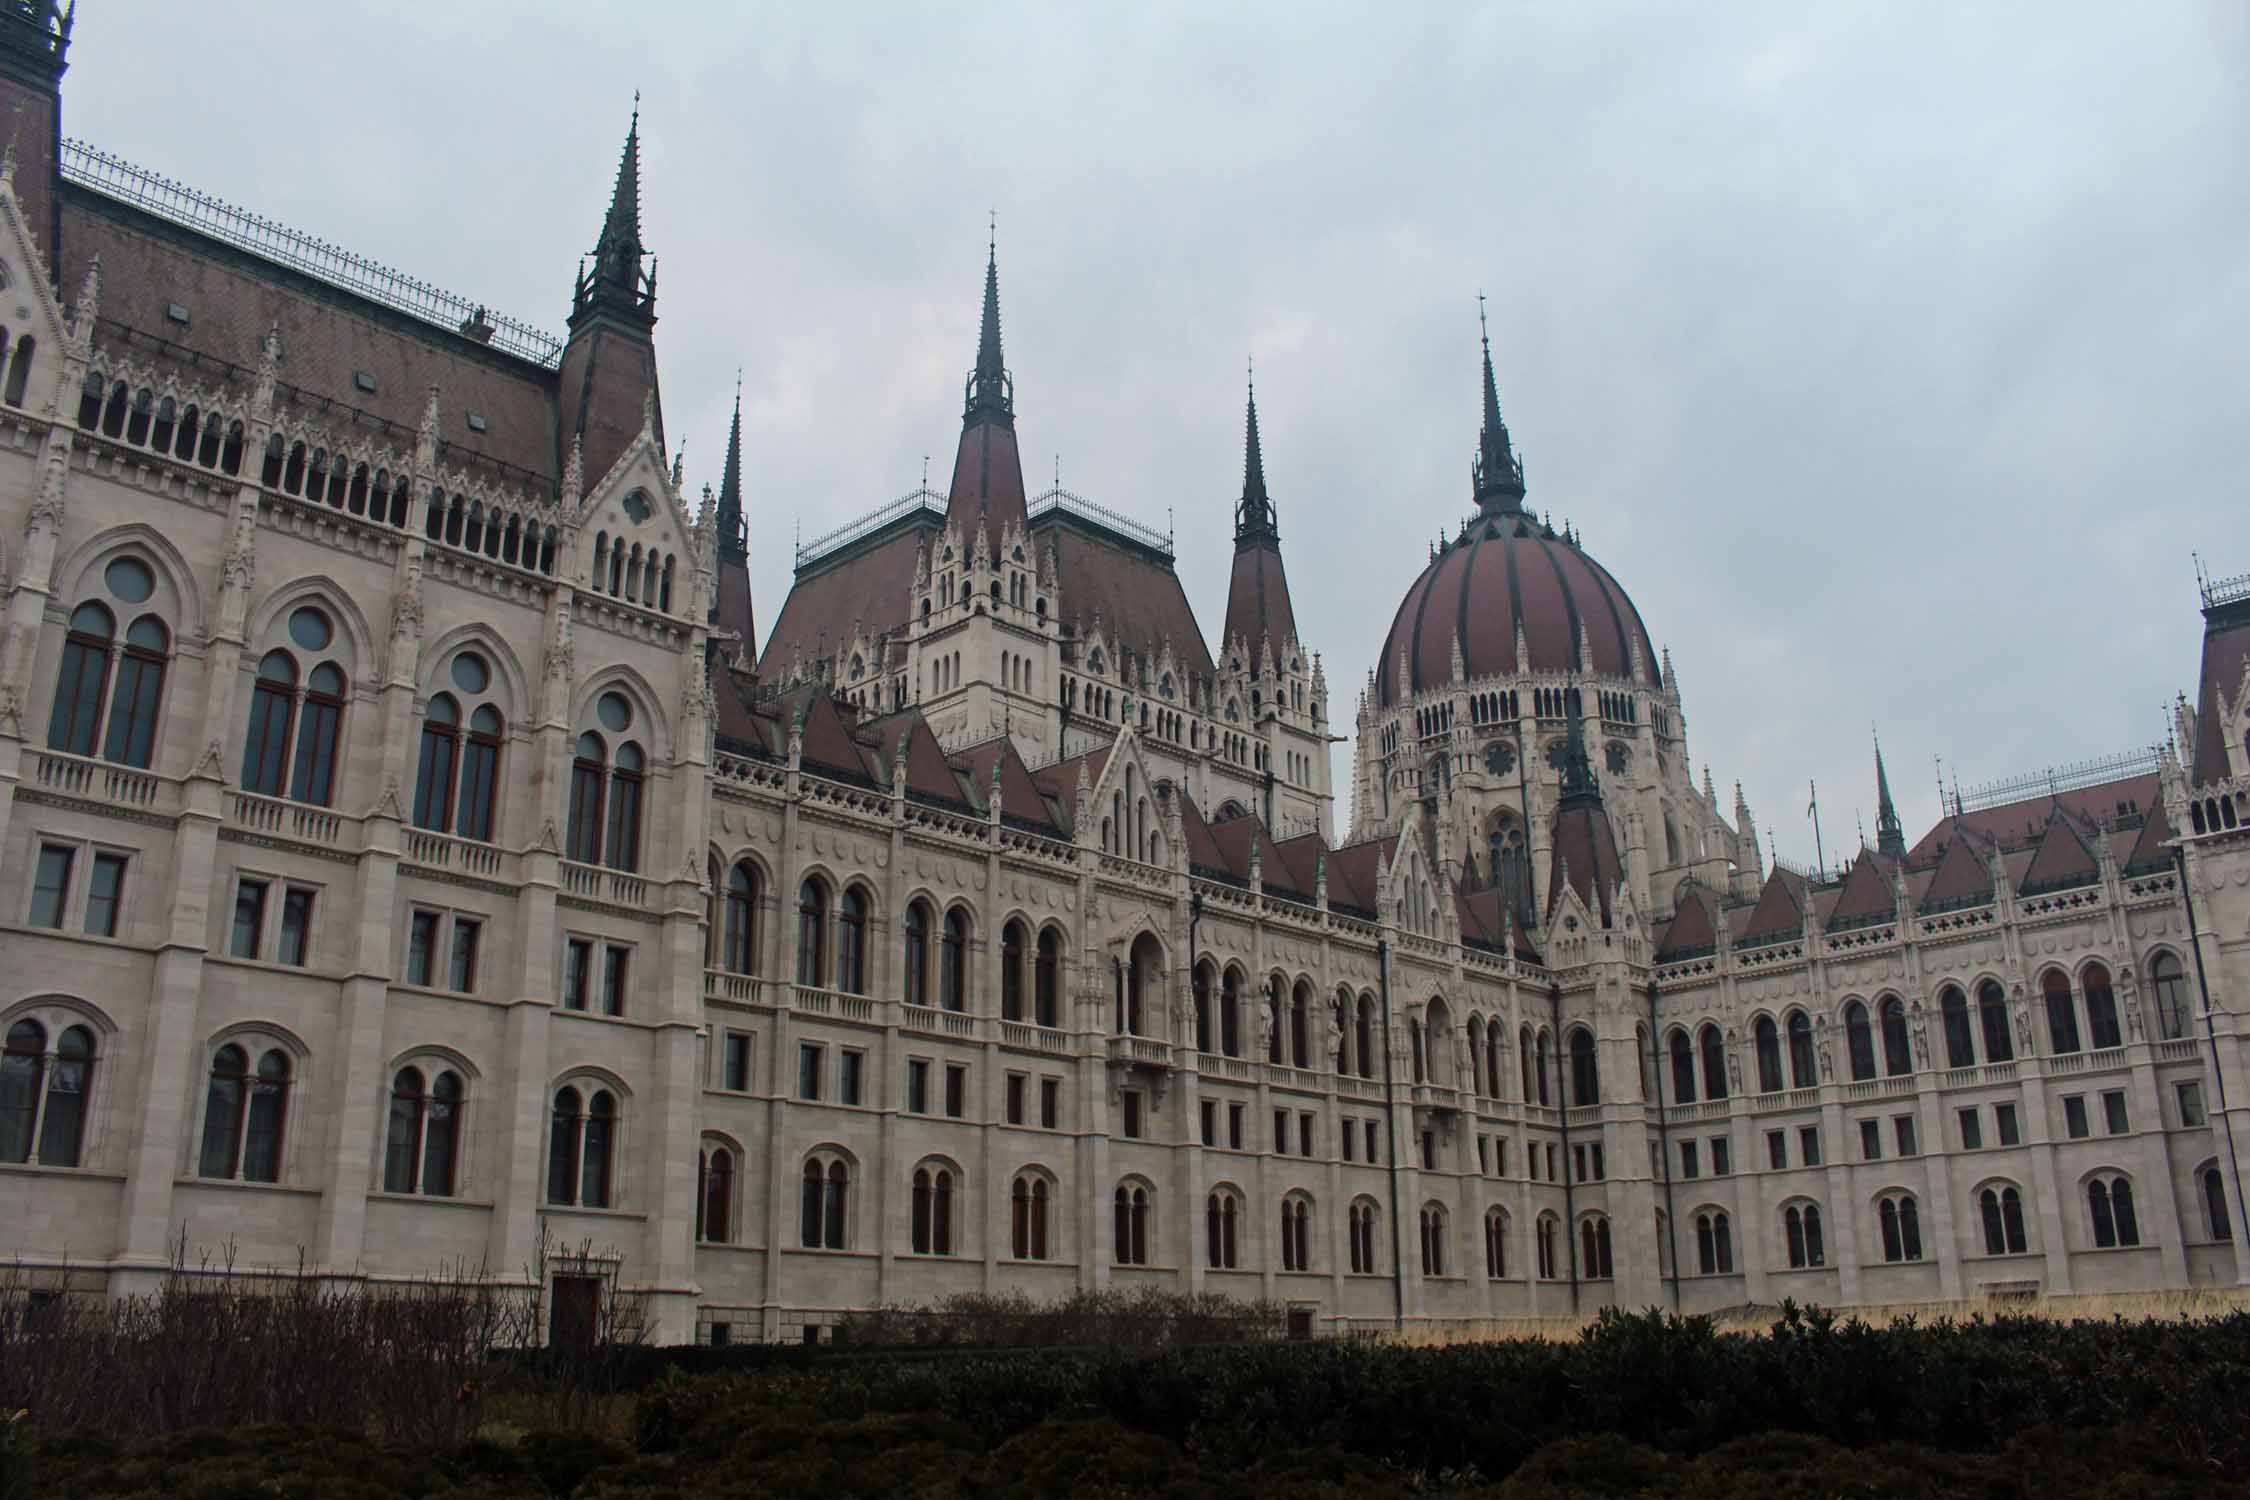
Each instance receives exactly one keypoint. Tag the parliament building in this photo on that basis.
(414, 857)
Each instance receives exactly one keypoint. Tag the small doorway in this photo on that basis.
(577, 1312)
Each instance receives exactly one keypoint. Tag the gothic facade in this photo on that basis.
(411, 857)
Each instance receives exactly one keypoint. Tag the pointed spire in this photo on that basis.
(1890, 835)
(1498, 472)
(991, 392)
(616, 283)
(1578, 784)
(734, 532)
(1254, 516)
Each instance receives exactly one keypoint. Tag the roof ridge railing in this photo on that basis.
(2073, 777)
(115, 177)
(1061, 499)
(2218, 591)
(875, 520)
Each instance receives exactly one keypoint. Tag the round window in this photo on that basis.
(614, 712)
(1499, 758)
(470, 673)
(308, 627)
(129, 579)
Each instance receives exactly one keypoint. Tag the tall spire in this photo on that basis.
(617, 283)
(1890, 834)
(1498, 473)
(991, 392)
(1254, 516)
(734, 532)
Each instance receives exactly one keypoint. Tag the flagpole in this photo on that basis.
(1820, 857)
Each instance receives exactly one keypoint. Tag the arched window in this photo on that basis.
(1860, 1041)
(1495, 1244)
(1960, 1041)
(740, 950)
(1544, 1240)
(273, 701)
(2215, 1216)
(320, 723)
(812, 933)
(2001, 1209)
(1898, 1051)
(1491, 1055)
(75, 723)
(43, 1096)
(1714, 1244)
(1011, 976)
(2101, 1009)
(1803, 1072)
(1277, 1027)
(1594, 1248)
(1144, 978)
(2168, 984)
(625, 781)
(1769, 1055)
(589, 772)
(1801, 1227)
(1992, 1013)
(714, 1194)
(2062, 1016)
(2110, 1200)
(1202, 993)
(1714, 1062)
(1585, 1074)
(1364, 1044)
(932, 1232)
(421, 1145)
(851, 941)
(1417, 1045)
(1683, 1067)
(1433, 1239)
(1359, 1225)
(1047, 980)
(129, 738)
(434, 777)
(582, 1138)
(1028, 1217)
(1539, 1063)
(1300, 1029)
(916, 953)
(1129, 1224)
(1296, 1233)
(1221, 1213)
(244, 1114)
(19, 370)
(822, 1205)
(953, 962)
(1901, 1227)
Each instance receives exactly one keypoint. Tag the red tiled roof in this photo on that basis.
(1019, 795)
(2226, 653)
(1865, 892)
(1961, 877)
(1780, 908)
(869, 587)
(2149, 843)
(2019, 825)
(328, 336)
(1585, 853)
(1258, 605)
(1503, 571)
(987, 481)
(1137, 597)
(1693, 927)
(2061, 859)
(1352, 871)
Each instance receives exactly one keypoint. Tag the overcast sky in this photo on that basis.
(1893, 357)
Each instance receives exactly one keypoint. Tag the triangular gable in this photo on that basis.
(1780, 910)
(657, 523)
(1351, 875)
(29, 279)
(738, 728)
(2149, 852)
(1204, 857)
(1692, 929)
(1866, 896)
(1020, 798)
(1059, 779)
(1962, 878)
(1293, 865)
(1585, 859)
(2061, 861)
(829, 746)
(930, 775)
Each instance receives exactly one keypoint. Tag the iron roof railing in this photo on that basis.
(1060, 499)
(923, 499)
(2074, 777)
(2218, 591)
(114, 177)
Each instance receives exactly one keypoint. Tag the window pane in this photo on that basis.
(51, 886)
(614, 968)
(433, 779)
(78, 692)
(131, 737)
(313, 779)
(462, 975)
(480, 774)
(267, 744)
(296, 925)
(421, 948)
(62, 1128)
(103, 893)
(249, 918)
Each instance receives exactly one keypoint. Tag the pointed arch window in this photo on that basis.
(1221, 1219)
(1202, 991)
(2110, 1202)
(1047, 980)
(75, 723)
(812, 933)
(933, 1211)
(625, 782)
(273, 700)
(2001, 1210)
(1901, 1227)
(1859, 1039)
(740, 943)
(2215, 1215)
(953, 962)
(589, 772)
(2062, 1015)
(1495, 1244)
(43, 1095)
(2168, 984)
(1683, 1068)
(1898, 1051)
(1027, 1202)
(917, 953)
(714, 1194)
(1960, 1041)
(851, 941)
(1296, 1234)
(1801, 1227)
(1230, 1013)
(1992, 1012)
(824, 1199)
(1300, 1030)
(1585, 1070)
(1713, 1047)
(1804, 1073)
(1768, 1038)
(1714, 1244)
(423, 1138)
(2101, 1009)
(1011, 972)
(1129, 1208)
(582, 1140)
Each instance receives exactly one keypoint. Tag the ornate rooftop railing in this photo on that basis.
(923, 499)
(1060, 499)
(114, 177)
(2218, 591)
(2066, 778)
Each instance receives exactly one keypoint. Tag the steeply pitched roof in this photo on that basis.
(1137, 596)
(1693, 928)
(2063, 859)
(2149, 851)
(1866, 894)
(1962, 877)
(1780, 911)
(1585, 854)
(2226, 656)
(2019, 825)
(1020, 798)
(869, 586)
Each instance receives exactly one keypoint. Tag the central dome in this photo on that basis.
(1507, 573)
